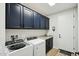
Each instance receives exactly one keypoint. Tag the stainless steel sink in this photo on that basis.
(14, 42)
(17, 46)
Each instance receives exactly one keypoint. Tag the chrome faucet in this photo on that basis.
(14, 37)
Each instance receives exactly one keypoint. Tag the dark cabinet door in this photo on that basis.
(36, 20)
(7, 10)
(28, 18)
(49, 44)
(42, 22)
(47, 23)
(18, 16)
(13, 15)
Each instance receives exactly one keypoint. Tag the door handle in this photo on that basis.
(59, 35)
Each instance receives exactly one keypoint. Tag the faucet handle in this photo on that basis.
(12, 36)
(16, 36)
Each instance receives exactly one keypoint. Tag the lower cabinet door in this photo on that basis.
(49, 44)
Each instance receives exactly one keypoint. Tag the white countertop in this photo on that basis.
(45, 37)
(36, 41)
(40, 37)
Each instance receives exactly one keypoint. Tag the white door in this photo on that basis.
(65, 30)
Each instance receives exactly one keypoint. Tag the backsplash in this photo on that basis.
(24, 33)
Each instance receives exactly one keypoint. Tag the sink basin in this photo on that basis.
(12, 42)
(16, 46)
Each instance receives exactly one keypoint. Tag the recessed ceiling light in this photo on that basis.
(51, 4)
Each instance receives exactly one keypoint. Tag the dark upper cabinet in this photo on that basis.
(13, 12)
(7, 10)
(42, 22)
(47, 23)
(19, 16)
(36, 20)
(28, 18)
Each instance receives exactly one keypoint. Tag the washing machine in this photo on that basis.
(38, 47)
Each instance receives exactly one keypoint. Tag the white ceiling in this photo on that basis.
(46, 9)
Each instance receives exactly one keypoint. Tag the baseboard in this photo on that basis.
(66, 52)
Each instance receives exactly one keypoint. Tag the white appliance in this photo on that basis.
(25, 51)
(38, 47)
